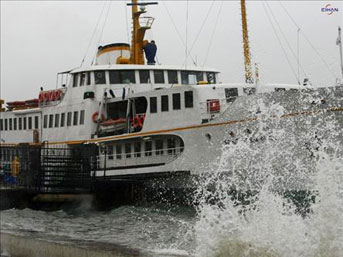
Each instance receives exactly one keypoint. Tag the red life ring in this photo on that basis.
(58, 94)
(95, 117)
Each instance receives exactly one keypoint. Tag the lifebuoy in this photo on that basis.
(95, 117)
(58, 94)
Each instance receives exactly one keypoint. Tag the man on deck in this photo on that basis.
(150, 50)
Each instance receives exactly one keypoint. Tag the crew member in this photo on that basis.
(150, 50)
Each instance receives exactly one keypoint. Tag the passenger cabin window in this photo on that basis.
(57, 120)
(153, 104)
(211, 77)
(6, 124)
(10, 124)
(148, 148)
(45, 121)
(36, 122)
(159, 76)
(88, 75)
(164, 103)
(69, 119)
(110, 152)
(51, 120)
(231, 94)
(30, 122)
(76, 118)
(62, 119)
(189, 99)
(82, 79)
(82, 117)
(1, 124)
(118, 152)
(75, 79)
(191, 77)
(144, 76)
(99, 77)
(122, 77)
(171, 146)
(137, 148)
(24, 121)
(15, 123)
(128, 151)
(159, 147)
(172, 77)
(176, 101)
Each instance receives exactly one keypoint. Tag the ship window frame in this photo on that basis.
(99, 80)
(75, 118)
(159, 147)
(6, 124)
(24, 123)
(1, 124)
(36, 122)
(208, 78)
(29, 121)
(110, 152)
(165, 103)
(14, 123)
(173, 79)
(189, 99)
(153, 104)
(69, 118)
(122, 77)
(137, 149)
(171, 146)
(82, 117)
(128, 150)
(142, 79)
(75, 79)
(45, 121)
(231, 94)
(57, 120)
(51, 120)
(148, 148)
(118, 151)
(62, 119)
(88, 78)
(83, 79)
(10, 124)
(158, 79)
(176, 101)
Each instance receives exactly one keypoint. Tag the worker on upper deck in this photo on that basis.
(150, 50)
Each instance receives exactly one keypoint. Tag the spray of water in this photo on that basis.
(244, 209)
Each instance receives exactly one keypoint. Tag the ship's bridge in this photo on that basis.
(143, 74)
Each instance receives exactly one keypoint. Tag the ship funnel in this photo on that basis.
(112, 54)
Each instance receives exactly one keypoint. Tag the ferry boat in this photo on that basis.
(151, 120)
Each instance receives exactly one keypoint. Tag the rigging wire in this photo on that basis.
(285, 39)
(277, 36)
(103, 26)
(307, 39)
(213, 32)
(175, 27)
(186, 35)
(97, 24)
(201, 27)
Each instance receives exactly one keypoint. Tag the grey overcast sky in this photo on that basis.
(41, 38)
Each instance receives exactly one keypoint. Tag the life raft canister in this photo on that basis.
(57, 95)
(95, 117)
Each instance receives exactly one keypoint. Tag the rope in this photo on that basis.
(285, 38)
(97, 24)
(175, 27)
(213, 32)
(103, 26)
(308, 41)
(202, 26)
(277, 36)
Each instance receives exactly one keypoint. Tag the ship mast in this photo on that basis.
(247, 61)
(138, 31)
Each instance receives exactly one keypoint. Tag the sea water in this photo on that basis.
(266, 223)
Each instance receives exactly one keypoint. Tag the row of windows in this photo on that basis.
(128, 76)
(21, 123)
(128, 150)
(59, 119)
(176, 102)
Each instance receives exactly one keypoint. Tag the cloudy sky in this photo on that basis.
(41, 38)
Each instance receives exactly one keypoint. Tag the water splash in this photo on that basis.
(243, 210)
